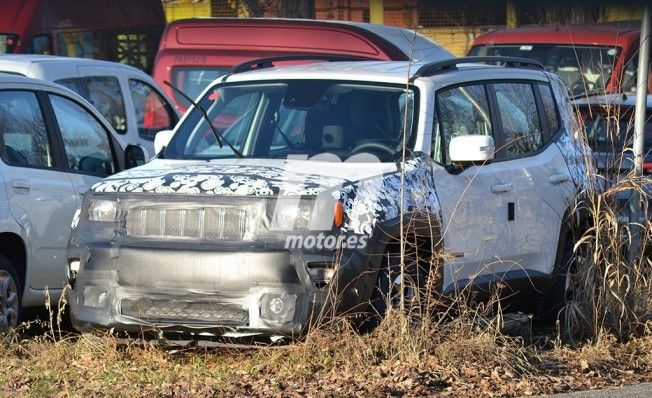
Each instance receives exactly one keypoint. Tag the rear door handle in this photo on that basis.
(559, 178)
(500, 188)
(20, 185)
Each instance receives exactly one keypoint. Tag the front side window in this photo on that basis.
(152, 111)
(85, 140)
(23, 135)
(520, 119)
(103, 92)
(460, 111)
(298, 117)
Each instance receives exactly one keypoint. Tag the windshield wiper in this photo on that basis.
(218, 137)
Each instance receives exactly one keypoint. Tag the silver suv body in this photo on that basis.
(291, 205)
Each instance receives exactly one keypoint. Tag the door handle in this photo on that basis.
(20, 185)
(500, 188)
(559, 178)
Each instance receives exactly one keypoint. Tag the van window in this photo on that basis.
(39, 45)
(461, 111)
(520, 119)
(22, 130)
(85, 140)
(103, 92)
(152, 112)
(192, 80)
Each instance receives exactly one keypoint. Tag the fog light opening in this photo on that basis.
(276, 305)
(277, 308)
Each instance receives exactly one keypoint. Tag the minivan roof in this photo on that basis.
(398, 42)
(610, 33)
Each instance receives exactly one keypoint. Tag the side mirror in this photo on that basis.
(134, 156)
(161, 140)
(471, 148)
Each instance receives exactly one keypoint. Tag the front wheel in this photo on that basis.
(9, 295)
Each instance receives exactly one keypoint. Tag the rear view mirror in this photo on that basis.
(134, 156)
(161, 140)
(471, 148)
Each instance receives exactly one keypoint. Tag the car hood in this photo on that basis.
(240, 177)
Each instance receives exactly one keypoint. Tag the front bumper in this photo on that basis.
(216, 292)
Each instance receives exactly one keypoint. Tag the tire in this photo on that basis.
(387, 291)
(10, 295)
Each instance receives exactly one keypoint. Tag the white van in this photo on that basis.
(128, 98)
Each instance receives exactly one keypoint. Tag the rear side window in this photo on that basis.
(23, 135)
(549, 108)
(85, 140)
(153, 114)
(521, 125)
(105, 95)
(461, 111)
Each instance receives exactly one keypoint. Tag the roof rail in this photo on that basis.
(433, 68)
(262, 63)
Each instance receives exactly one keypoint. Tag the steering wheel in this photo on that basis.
(373, 146)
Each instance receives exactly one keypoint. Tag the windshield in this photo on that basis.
(613, 131)
(298, 118)
(8, 43)
(583, 68)
(192, 81)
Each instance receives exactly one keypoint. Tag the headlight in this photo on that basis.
(102, 210)
(291, 213)
(305, 214)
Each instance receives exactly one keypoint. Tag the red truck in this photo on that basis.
(591, 58)
(124, 31)
(194, 52)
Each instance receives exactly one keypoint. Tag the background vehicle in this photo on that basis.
(292, 204)
(595, 58)
(124, 31)
(53, 147)
(194, 52)
(127, 97)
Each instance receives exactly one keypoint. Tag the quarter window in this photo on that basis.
(549, 108)
(152, 112)
(461, 111)
(85, 141)
(520, 119)
(22, 130)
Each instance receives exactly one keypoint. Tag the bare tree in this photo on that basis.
(296, 9)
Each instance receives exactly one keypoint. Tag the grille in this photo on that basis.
(214, 222)
(200, 312)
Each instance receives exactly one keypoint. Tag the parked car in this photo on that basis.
(289, 207)
(127, 97)
(609, 124)
(123, 31)
(194, 52)
(590, 58)
(53, 146)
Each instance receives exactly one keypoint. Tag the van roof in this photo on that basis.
(400, 43)
(21, 63)
(611, 33)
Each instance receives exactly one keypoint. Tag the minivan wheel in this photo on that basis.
(9, 295)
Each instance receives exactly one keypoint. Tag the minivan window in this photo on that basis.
(153, 114)
(39, 45)
(103, 92)
(520, 119)
(22, 130)
(85, 141)
(461, 111)
(298, 117)
(193, 80)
